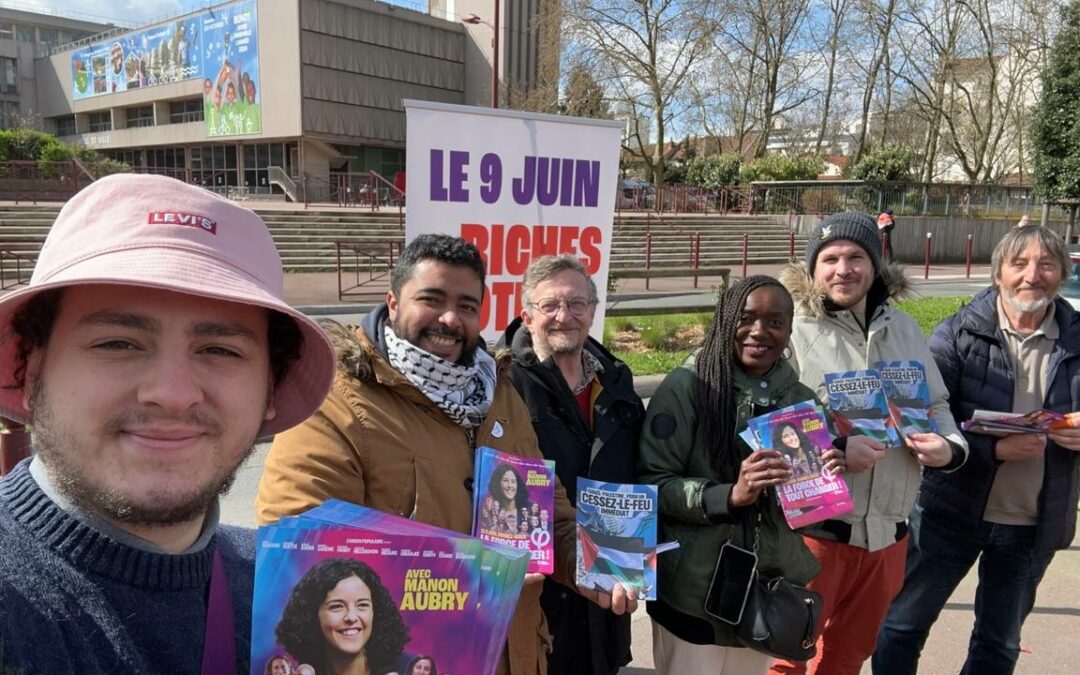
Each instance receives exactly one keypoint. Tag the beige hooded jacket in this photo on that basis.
(825, 342)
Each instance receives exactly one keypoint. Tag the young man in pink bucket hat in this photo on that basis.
(149, 351)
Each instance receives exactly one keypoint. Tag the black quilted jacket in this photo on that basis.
(978, 372)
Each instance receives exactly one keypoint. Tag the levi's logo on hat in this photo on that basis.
(182, 218)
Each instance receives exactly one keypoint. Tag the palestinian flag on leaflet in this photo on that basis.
(611, 553)
(616, 540)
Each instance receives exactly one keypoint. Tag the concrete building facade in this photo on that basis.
(24, 36)
(329, 80)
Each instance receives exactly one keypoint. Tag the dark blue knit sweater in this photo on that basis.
(73, 600)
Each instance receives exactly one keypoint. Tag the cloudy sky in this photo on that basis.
(125, 12)
(135, 12)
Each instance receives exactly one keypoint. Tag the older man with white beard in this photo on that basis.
(1015, 348)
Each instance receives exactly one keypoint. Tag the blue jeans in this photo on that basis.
(938, 559)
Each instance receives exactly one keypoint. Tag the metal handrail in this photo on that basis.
(380, 178)
(83, 169)
(377, 178)
(372, 260)
(19, 259)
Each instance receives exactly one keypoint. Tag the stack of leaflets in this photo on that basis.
(801, 434)
(1034, 422)
(908, 394)
(859, 407)
(513, 503)
(346, 583)
(616, 536)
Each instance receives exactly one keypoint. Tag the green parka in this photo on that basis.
(694, 500)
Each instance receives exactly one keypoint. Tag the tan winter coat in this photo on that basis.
(824, 342)
(378, 441)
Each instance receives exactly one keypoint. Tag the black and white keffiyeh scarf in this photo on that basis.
(462, 392)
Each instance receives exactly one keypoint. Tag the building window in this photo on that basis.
(190, 110)
(100, 121)
(165, 158)
(9, 114)
(9, 81)
(48, 36)
(166, 161)
(25, 33)
(143, 116)
(7, 30)
(129, 157)
(258, 158)
(214, 166)
(65, 126)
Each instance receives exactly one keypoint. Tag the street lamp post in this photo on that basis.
(473, 19)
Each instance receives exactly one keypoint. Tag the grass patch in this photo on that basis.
(653, 329)
(652, 363)
(929, 312)
(655, 343)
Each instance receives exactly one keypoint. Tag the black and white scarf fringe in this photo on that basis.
(464, 393)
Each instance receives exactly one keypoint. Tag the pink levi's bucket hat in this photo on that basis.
(157, 232)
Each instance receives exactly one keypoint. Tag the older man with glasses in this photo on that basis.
(587, 419)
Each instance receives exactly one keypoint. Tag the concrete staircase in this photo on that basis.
(308, 240)
(721, 240)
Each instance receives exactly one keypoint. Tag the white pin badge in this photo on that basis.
(497, 430)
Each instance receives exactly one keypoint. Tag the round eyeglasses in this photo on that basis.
(550, 306)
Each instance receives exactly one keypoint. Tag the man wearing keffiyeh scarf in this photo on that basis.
(416, 393)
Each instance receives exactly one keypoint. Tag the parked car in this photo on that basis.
(1070, 290)
(635, 194)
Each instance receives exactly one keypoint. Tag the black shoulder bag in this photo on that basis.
(779, 618)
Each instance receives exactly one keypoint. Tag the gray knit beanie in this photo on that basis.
(856, 227)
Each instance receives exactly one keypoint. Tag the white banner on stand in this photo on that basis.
(518, 186)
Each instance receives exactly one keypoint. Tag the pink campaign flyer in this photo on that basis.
(801, 435)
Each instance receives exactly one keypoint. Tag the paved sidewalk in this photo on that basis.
(1047, 643)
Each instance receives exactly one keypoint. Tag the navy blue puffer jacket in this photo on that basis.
(970, 353)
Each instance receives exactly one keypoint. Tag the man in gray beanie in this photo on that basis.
(844, 321)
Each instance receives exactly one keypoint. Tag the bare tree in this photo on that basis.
(726, 94)
(876, 19)
(756, 72)
(930, 35)
(584, 97)
(837, 14)
(768, 32)
(972, 77)
(644, 51)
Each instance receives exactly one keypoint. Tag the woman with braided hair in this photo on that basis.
(712, 486)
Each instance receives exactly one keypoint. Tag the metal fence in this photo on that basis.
(905, 199)
(33, 181)
(828, 196)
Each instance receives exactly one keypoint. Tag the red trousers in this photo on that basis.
(856, 587)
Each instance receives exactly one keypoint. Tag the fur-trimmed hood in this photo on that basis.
(890, 284)
(359, 348)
